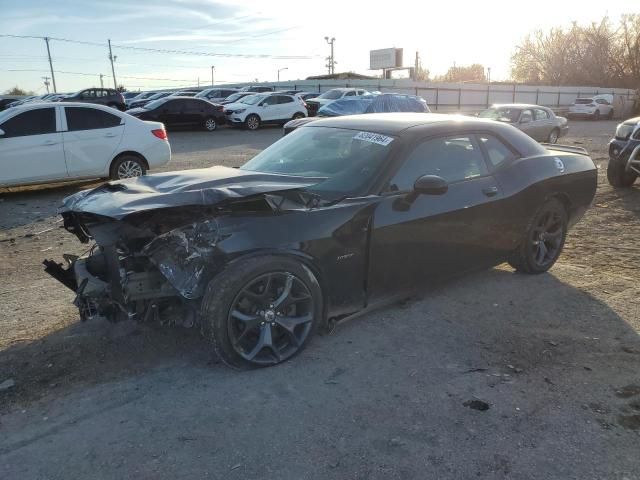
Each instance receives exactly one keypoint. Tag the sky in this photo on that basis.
(464, 32)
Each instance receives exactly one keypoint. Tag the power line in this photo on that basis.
(97, 74)
(164, 50)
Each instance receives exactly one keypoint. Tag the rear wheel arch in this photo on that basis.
(126, 154)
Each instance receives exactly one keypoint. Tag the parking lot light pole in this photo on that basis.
(331, 58)
(280, 70)
(212, 69)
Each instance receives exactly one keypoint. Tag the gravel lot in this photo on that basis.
(401, 393)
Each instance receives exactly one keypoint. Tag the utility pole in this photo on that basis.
(101, 82)
(53, 77)
(280, 70)
(488, 74)
(113, 70)
(212, 69)
(46, 82)
(332, 61)
(416, 68)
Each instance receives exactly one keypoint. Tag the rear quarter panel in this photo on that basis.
(528, 182)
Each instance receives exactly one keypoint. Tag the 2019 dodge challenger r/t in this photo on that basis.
(340, 216)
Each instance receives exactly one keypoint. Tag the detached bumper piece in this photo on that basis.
(65, 276)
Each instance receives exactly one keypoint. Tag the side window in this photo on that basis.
(89, 94)
(175, 106)
(350, 94)
(540, 114)
(79, 118)
(33, 122)
(272, 100)
(526, 113)
(452, 158)
(497, 152)
(284, 99)
(196, 105)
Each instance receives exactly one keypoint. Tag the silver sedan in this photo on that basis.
(540, 123)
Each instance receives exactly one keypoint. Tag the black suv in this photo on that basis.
(101, 96)
(624, 154)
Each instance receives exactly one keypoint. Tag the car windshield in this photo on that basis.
(503, 114)
(208, 93)
(154, 104)
(331, 94)
(347, 160)
(235, 96)
(253, 99)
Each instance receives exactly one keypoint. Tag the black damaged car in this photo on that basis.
(340, 216)
(624, 154)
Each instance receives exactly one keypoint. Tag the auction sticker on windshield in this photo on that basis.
(373, 138)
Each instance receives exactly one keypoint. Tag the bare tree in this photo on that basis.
(597, 54)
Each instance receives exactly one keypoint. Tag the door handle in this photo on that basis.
(490, 191)
(49, 142)
(109, 134)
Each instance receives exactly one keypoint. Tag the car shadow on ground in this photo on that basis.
(505, 371)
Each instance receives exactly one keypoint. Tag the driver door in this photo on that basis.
(526, 123)
(269, 109)
(435, 236)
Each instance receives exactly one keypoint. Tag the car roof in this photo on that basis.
(518, 105)
(394, 123)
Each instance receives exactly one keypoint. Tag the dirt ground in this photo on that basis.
(495, 375)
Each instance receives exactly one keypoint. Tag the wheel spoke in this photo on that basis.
(542, 252)
(243, 317)
(285, 292)
(289, 325)
(265, 340)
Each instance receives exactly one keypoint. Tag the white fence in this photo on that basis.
(470, 97)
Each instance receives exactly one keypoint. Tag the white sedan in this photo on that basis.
(44, 142)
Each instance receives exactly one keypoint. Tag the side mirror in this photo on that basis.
(425, 185)
(526, 118)
(430, 185)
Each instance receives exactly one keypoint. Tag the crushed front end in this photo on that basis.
(137, 272)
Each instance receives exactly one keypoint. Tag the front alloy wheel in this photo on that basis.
(261, 311)
(253, 122)
(553, 136)
(210, 124)
(270, 318)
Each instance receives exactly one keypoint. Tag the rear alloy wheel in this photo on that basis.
(298, 116)
(553, 136)
(543, 241)
(210, 124)
(618, 176)
(261, 311)
(253, 122)
(127, 166)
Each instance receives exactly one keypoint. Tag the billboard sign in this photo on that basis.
(385, 58)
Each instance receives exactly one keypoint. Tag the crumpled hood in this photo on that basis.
(205, 186)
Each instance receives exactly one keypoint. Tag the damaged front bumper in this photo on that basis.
(141, 277)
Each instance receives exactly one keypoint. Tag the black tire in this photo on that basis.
(596, 115)
(210, 124)
(543, 241)
(252, 122)
(297, 116)
(553, 136)
(127, 166)
(618, 176)
(236, 323)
